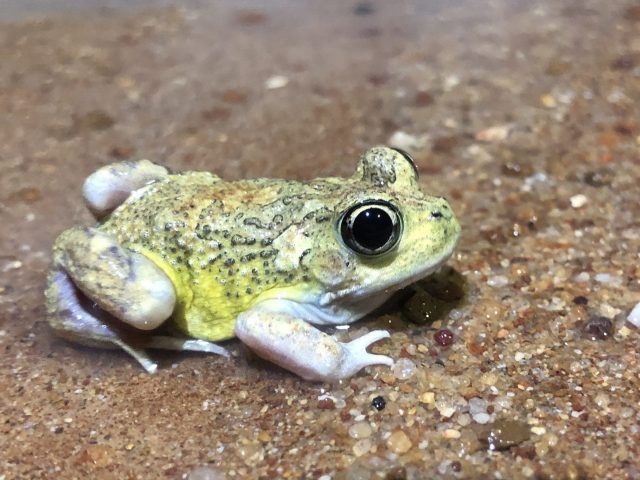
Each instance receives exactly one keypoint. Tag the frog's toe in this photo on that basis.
(107, 188)
(357, 357)
(189, 344)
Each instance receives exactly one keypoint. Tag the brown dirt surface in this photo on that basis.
(526, 115)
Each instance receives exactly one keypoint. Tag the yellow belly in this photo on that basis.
(203, 308)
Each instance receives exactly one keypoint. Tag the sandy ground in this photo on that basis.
(526, 116)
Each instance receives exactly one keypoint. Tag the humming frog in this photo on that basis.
(178, 261)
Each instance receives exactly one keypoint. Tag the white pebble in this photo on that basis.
(497, 281)
(404, 368)
(538, 430)
(608, 278)
(634, 316)
(362, 446)
(497, 133)
(482, 418)
(578, 201)
(277, 81)
(11, 265)
(445, 407)
(407, 141)
(360, 430)
(464, 419)
(205, 473)
(477, 405)
(582, 277)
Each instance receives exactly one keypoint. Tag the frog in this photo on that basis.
(183, 261)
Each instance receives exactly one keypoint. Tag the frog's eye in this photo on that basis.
(408, 158)
(371, 228)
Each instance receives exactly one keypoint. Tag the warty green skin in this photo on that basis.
(260, 248)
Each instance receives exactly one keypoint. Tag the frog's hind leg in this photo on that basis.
(106, 188)
(73, 321)
(124, 284)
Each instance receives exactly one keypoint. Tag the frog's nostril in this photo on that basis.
(436, 215)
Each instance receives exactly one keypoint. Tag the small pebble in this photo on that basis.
(598, 328)
(360, 430)
(446, 406)
(404, 369)
(406, 141)
(398, 442)
(634, 316)
(482, 418)
(364, 8)
(276, 81)
(497, 281)
(443, 337)
(578, 201)
(504, 434)
(548, 101)
(362, 447)
(580, 300)
(205, 473)
(599, 178)
(451, 433)
(494, 134)
(428, 397)
(608, 279)
(477, 405)
(582, 277)
(379, 403)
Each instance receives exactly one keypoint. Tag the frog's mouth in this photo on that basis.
(354, 302)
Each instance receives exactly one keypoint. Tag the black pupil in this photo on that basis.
(372, 228)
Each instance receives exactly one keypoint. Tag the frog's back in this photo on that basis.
(214, 239)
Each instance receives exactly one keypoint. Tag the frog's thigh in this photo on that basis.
(126, 284)
(301, 348)
(106, 188)
(68, 316)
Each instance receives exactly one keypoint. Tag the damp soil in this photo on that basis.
(524, 115)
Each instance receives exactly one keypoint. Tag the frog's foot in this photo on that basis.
(106, 188)
(301, 348)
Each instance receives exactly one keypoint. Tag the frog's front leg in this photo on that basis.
(301, 348)
(108, 187)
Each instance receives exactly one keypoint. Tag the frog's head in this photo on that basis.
(385, 233)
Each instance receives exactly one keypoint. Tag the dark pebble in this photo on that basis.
(625, 62)
(398, 473)
(516, 169)
(598, 328)
(421, 308)
(379, 403)
(94, 120)
(364, 8)
(443, 337)
(580, 300)
(423, 99)
(503, 434)
(601, 177)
